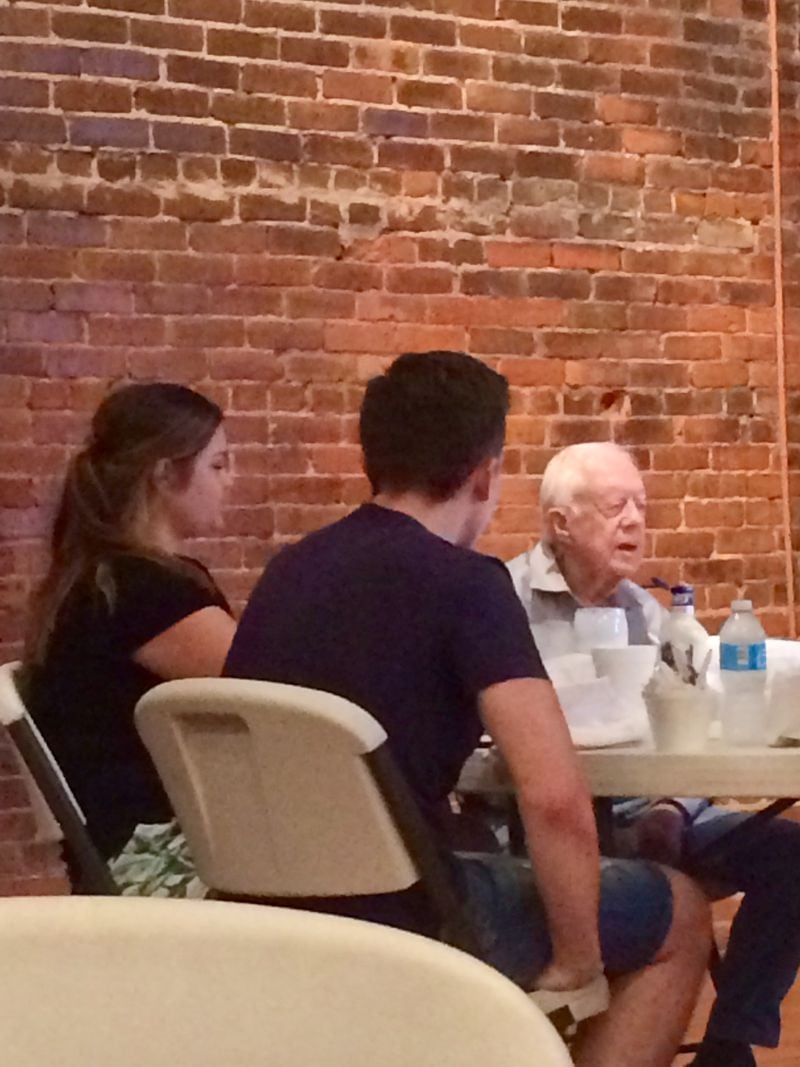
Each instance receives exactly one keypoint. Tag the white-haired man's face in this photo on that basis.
(603, 530)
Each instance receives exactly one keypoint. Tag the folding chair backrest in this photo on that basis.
(90, 872)
(137, 981)
(273, 787)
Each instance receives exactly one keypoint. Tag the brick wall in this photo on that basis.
(272, 203)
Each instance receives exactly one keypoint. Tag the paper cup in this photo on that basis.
(680, 721)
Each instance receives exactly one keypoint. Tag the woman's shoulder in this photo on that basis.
(137, 572)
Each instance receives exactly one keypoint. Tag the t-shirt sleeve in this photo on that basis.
(149, 597)
(491, 638)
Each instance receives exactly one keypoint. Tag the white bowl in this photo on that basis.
(628, 668)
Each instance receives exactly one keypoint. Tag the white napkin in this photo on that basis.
(783, 690)
(597, 713)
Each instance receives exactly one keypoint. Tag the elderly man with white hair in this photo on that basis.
(593, 502)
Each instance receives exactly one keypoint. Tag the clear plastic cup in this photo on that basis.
(600, 628)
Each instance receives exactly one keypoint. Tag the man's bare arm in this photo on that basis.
(526, 722)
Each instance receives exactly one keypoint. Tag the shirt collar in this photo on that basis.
(545, 576)
(543, 571)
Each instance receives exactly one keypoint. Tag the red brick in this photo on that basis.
(84, 27)
(352, 85)
(115, 330)
(92, 96)
(161, 101)
(28, 126)
(51, 326)
(494, 311)
(477, 159)
(423, 30)
(419, 280)
(458, 127)
(214, 73)
(138, 233)
(303, 241)
(102, 132)
(105, 200)
(707, 319)
(223, 10)
(455, 63)
(355, 276)
(488, 96)
(65, 196)
(23, 22)
(280, 79)
(430, 94)
(655, 142)
(24, 92)
(408, 155)
(522, 70)
(391, 123)
(607, 168)
(179, 36)
(529, 12)
(351, 24)
(585, 257)
(314, 51)
(518, 254)
(283, 16)
(25, 296)
(39, 263)
(310, 115)
(188, 268)
(241, 43)
(565, 285)
(265, 144)
(560, 165)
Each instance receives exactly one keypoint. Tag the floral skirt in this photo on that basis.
(156, 862)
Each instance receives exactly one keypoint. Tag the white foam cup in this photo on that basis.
(680, 721)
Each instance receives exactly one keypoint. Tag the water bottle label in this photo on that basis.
(743, 657)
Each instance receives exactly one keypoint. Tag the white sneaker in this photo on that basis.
(583, 1003)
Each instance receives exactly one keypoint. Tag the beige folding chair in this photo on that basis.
(285, 792)
(132, 981)
(89, 871)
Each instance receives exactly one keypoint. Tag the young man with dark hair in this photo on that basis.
(393, 609)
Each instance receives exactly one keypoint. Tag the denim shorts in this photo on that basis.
(509, 916)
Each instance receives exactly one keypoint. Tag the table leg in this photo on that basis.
(517, 844)
(604, 817)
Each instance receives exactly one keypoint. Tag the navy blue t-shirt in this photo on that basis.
(379, 610)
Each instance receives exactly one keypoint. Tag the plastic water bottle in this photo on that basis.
(743, 670)
(682, 631)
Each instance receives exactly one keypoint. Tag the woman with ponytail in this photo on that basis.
(121, 609)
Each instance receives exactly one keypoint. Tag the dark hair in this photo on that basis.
(430, 420)
(106, 485)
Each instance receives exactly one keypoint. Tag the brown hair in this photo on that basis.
(106, 485)
(430, 420)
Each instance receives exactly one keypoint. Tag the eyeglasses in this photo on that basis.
(618, 506)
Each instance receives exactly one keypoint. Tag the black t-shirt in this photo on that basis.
(377, 609)
(82, 697)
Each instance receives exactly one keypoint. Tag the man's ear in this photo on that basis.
(483, 478)
(558, 522)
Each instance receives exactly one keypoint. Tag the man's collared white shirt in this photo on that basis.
(550, 604)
